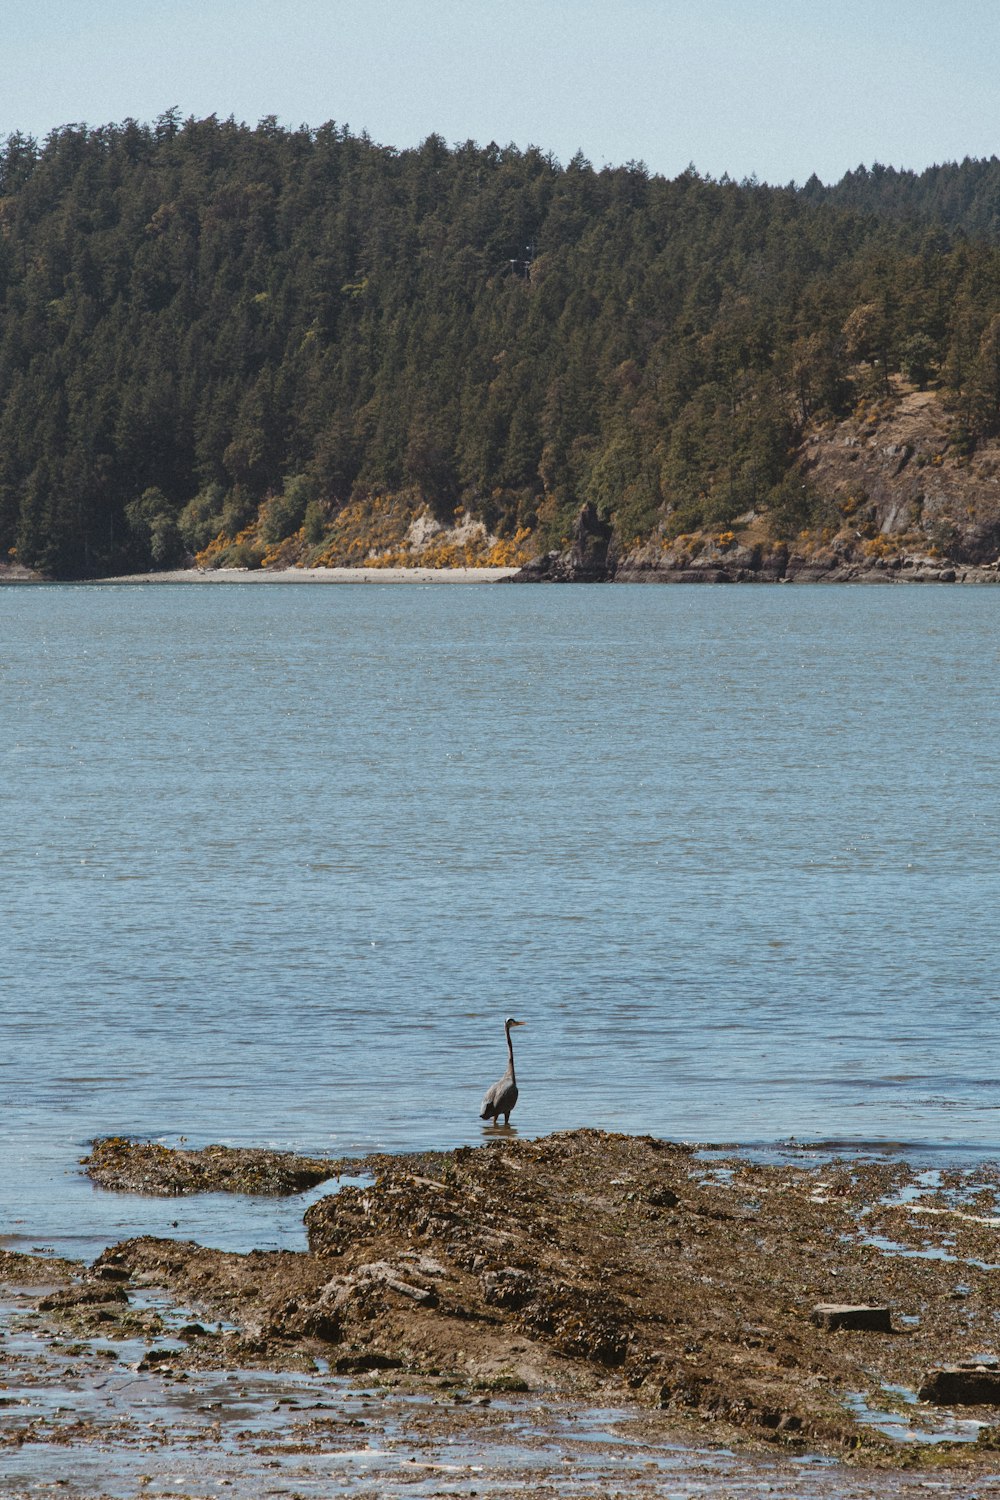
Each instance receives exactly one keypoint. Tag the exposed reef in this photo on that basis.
(592, 1263)
(127, 1166)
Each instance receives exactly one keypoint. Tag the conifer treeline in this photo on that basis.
(200, 317)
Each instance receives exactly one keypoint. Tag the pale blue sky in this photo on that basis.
(780, 88)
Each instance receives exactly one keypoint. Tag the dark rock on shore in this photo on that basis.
(83, 1294)
(587, 560)
(836, 1315)
(752, 564)
(966, 1384)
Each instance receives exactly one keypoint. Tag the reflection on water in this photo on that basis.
(278, 862)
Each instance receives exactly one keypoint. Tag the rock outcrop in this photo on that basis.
(588, 559)
(895, 493)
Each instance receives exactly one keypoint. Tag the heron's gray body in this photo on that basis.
(501, 1097)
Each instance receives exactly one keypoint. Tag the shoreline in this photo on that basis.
(844, 575)
(312, 575)
(105, 1416)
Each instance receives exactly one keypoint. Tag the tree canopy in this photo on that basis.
(207, 327)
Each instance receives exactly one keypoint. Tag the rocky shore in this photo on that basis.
(892, 493)
(810, 1306)
(747, 557)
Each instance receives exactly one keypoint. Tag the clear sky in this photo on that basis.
(776, 88)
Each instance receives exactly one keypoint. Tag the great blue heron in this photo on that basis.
(501, 1098)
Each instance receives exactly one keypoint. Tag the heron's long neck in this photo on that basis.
(510, 1052)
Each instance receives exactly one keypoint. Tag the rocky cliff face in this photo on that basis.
(893, 495)
(899, 481)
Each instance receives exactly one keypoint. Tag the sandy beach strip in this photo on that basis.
(318, 575)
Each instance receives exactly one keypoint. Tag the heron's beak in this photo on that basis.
(519, 1023)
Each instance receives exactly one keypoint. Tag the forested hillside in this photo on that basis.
(256, 344)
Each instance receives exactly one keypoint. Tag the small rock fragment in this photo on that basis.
(356, 1364)
(835, 1315)
(84, 1294)
(960, 1385)
(153, 1357)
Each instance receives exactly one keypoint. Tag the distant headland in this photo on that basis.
(232, 347)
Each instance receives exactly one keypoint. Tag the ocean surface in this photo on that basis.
(276, 863)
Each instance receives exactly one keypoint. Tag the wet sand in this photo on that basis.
(319, 575)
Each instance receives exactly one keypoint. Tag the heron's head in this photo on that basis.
(511, 1022)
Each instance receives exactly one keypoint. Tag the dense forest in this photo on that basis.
(219, 339)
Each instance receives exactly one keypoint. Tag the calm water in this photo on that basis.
(276, 863)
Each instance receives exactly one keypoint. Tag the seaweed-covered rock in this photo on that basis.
(128, 1166)
(595, 1262)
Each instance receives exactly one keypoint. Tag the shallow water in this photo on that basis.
(277, 862)
(933, 1427)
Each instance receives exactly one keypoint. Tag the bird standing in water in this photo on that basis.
(501, 1098)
